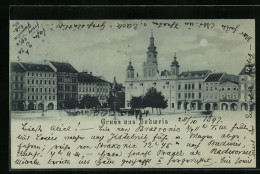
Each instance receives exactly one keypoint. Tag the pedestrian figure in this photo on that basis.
(146, 113)
(136, 115)
(140, 116)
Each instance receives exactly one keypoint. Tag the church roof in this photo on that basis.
(64, 67)
(214, 77)
(130, 66)
(195, 73)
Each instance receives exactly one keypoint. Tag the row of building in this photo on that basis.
(192, 90)
(48, 85)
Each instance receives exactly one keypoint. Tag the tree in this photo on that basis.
(89, 102)
(154, 99)
(136, 103)
(71, 104)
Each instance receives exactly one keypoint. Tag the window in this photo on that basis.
(49, 82)
(211, 89)
(32, 74)
(32, 89)
(199, 95)
(28, 81)
(200, 86)
(40, 74)
(28, 74)
(36, 89)
(53, 97)
(36, 74)
(32, 81)
(53, 82)
(45, 81)
(53, 89)
(179, 86)
(192, 95)
(28, 89)
(53, 76)
(216, 88)
(45, 97)
(49, 89)
(189, 95)
(163, 87)
(49, 97)
(33, 97)
(192, 86)
(185, 86)
(228, 89)
(40, 89)
(36, 81)
(185, 95)
(179, 95)
(189, 86)
(235, 88)
(37, 97)
(40, 81)
(41, 97)
(45, 89)
(207, 89)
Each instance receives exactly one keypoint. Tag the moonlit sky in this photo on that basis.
(107, 52)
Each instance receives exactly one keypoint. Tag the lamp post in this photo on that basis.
(185, 104)
(168, 83)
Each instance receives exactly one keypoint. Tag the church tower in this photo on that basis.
(130, 71)
(175, 67)
(150, 67)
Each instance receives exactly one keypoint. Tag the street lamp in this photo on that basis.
(168, 83)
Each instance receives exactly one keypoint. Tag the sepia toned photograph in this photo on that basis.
(132, 93)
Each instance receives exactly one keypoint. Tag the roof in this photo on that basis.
(229, 78)
(194, 73)
(64, 67)
(247, 68)
(15, 66)
(83, 77)
(37, 67)
(229, 83)
(214, 77)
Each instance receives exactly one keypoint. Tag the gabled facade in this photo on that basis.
(67, 83)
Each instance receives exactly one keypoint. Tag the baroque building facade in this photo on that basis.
(192, 90)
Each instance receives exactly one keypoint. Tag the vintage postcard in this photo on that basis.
(132, 94)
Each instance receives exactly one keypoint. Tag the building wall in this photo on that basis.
(100, 90)
(41, 88)
(140, 87)
(67, 87)
(245, 84)
(189, 90)
(18, 90)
